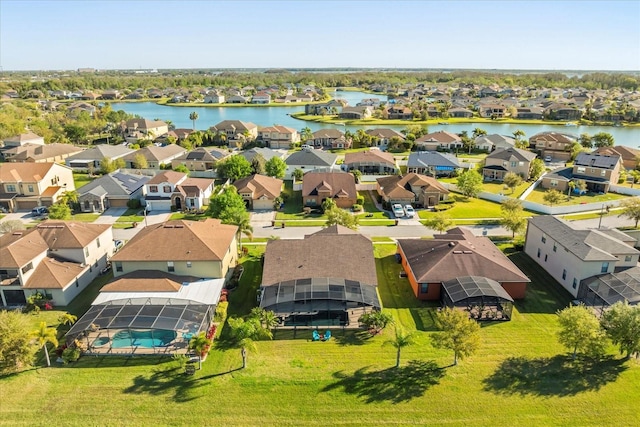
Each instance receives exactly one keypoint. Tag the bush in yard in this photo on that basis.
(221, 311)
(375, 321)
(133, 204)
(357, 208)
(360, 200)
(70, 354)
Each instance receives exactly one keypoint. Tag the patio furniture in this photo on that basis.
(327, 335)
(315, 336)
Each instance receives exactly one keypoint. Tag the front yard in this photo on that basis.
(520, 375)
(537, 196)
(471, 208)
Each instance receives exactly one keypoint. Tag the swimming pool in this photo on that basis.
(147, 339)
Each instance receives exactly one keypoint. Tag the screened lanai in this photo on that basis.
(485, 299)
(608, 289)
(319, 301)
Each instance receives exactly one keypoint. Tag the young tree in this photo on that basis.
(512, 180)
(298, 174)
(470, 183)
(245, 332)
(182, 168)
(459, 333)
(621, 323)
(258, 164)
(375, 321)
(513, 221)
(337, 216)
(631, 209)
(536, 169)
(518, 135)
(242, 220)
(225, 204)
(68, 197)
(59, 211)
(400, 340)
(328, 204)
(11, 225)
(585, 140)
(67, 319)
(235, 167)
(107, 165)
(570, 187)
(603, 139)
(580, 331)
(440, 222)
(193, 117)
(276, 167)
(140, 162)
(16, 348)
(199, 344)
(356, 175)
(43, 335)
(511, 205)
(552, 197)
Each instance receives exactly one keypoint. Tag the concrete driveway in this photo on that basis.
(25, 217)
(262, 218)
(110, 216)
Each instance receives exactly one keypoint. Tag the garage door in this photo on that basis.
(264, 204)
(118, 203)
(26, 205)
(159, 205)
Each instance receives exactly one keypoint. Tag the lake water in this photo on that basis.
(269, 116)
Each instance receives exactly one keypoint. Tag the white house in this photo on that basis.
(174, 189)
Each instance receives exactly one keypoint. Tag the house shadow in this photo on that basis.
(552, 376)
(167, 380)
(393, 385)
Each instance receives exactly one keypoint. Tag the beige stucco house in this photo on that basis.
(502, 161)
(27, 185)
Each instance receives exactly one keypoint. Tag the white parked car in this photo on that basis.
(398, 212)
(409, 211)
(547, 158)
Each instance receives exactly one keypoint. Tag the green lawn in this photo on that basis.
(188, 216)
(80, 179)
(468, 208)
(518, 377)
(537, 196)
(131, 215)
(500, 188)
(85, 217)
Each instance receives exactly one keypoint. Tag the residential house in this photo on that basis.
(356, 113)
(22, 139)
(237, 99)
(92, 157)
(494, 142)
(597, 171)
(554, 144)
(261, 98)
(559, 111)
(24, 186)
(204, 249)
(571, 254)
(309, 159)
(371, 162)
(144, 129)
(113, 190)
(382, 136)
(440, 140)
(36, 153)
(459, 112)
(629, 155)
(111, 94)
(176, 134)
(330, 277)
(171, 189)
(259, 191)
(57, 259)
(432, 163)
(502, 161)
(530, 113)
(266, 153)
(338, 186)
(155, 156)
(75, 109)
(412, 188)
(329, 138)
(432, 264)
(214, 98)
(493, 111)
(279, 137)
(235, 130)
(398, 112)
(201, 159)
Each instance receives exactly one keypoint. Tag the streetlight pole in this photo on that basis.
(602, 210)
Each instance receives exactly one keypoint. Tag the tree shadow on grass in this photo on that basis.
(167, 380)
(394, 385)
(358, 337)
(552, 376)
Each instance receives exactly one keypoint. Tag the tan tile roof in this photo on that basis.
(440, 136)
(147, 281)
(372, 156)
(200, 183)
(278, 128)
(458, 253)
(336, 182)
(54, 274)
(70, 234)
(552, 137)
(180, 240)
(259, 186)
(26, 172)
(172, 177)
(399, 186)
(328, 253)
(20, 247)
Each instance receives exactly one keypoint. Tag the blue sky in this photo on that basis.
(561, 35)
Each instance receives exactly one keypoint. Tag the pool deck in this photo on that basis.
(177, 346)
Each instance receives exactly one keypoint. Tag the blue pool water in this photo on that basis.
(147, 339)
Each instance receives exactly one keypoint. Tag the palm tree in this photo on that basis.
(242, 220)
(571, 186)
(306, 134)
(44, 335)
(193, 117)
(67, 319)
(402, 339)
(199, 344)
(478, 132)
(68, 197)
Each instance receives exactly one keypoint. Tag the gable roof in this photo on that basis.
(101, 151)
(169, 176)
(155, 153)
(370, 156)
(495, 139)
(204, 154)
(553, 137)
(180, 240)
(69, 234)
(458, 253)
(267, 153)
(278, 128)
(23, 137)
(587, 245)
(597, 160)
(260, 186)
(52, 273)
(311, 157)
(331, 252)
(385, 133)
(421, 159)
(511, 154)
(147, 281)
(237, 125)
(329, 133)
(20, 247)
(627, 153)
(397, 186)
(145, 124)
(26, 172)
(339, 184)
(115, 184)
(440, 136)
(38, 151)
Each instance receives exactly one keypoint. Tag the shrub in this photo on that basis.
(360, 200)
(375, 321)
(70, 354)
(440, 208)
(133, 204)
(357, 208)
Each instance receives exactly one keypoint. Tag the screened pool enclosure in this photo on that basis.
(483, 298)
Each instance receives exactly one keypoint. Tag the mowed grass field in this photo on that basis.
(519, 376)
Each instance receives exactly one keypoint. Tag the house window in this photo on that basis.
(188, 264)
(605, 267)
(553, 183)
(575, 283)
(77, 283)
(98, 242)
(30, 188)
(153, 189)
(118, 266)
(544, 239)
(546, 256)
(11, 188)
(170, 266)
(166, 189)
(627, 258)
(603, 172)
(86, 251)
(564, 274)
(424, 288)
(581, 169)
(514, 164)
(555, 247)
(27, 267)
(538, 252)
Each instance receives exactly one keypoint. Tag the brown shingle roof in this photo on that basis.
(147, 281)
(54, 274)
(399, 186)
(372, 156)
(328, 253)
(27, 172)
(172, 177)
(627, 153)
(259, 185)
(70, 235)
(458, 253)
(20, 247)
(199, 183)
(180, 240)
(336, 182)
(38, 151)
(155, 153)
(440, 136)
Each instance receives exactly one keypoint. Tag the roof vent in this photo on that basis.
(467, 252)
(452, 244)
(457, 252)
